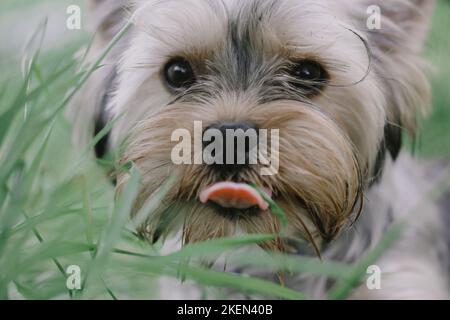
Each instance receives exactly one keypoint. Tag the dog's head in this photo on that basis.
(336, 84)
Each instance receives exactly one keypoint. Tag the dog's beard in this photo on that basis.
(318, 184)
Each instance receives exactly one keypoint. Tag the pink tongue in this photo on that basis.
(233, 195)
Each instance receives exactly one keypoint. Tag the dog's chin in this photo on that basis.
(234, 214)
(210, 220)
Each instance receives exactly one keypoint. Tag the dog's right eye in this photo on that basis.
(178, 74)
(308, 75)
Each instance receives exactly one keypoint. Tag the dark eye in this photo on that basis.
(179, 74)
(309, 75)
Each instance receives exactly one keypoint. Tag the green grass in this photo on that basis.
(435, 137)
(58, 209)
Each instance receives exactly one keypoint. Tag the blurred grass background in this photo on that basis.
(435, 135)
(58, 209)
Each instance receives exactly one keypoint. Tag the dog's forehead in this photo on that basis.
(200, 26)
(237, 39)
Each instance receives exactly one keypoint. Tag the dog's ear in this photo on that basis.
(108, 16)
(396, 48)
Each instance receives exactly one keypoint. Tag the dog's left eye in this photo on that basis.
(179, 74)
(309, 75)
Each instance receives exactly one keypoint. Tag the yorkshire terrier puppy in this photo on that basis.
(338, 93)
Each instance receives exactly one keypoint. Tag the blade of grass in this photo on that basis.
(275, 208)
(154, 202)
(90, 233)
(113, 232)
(215, 246)
(6, 118)
(212, 278)
(275, 262)
(55, 261)
(245, 284)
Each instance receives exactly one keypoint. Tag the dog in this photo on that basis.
(340, 94)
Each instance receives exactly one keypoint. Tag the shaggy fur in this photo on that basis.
(338, 146)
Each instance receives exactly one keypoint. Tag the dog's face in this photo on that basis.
(337, 92)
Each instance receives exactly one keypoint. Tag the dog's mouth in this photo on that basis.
(229, 195)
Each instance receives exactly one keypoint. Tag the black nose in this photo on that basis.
(236, 149)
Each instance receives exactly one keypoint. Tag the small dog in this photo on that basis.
(340, 94)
